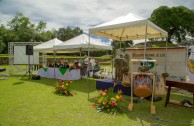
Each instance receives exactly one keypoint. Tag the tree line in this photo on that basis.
(177, 21)
(21, 29)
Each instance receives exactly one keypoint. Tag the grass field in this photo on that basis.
(29, 102)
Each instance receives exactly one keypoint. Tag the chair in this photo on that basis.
(106, 73)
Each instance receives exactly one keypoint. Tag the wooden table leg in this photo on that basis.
(168, 96)
(193, 100)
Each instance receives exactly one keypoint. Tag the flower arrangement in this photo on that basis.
(63, 88)
(108, 101)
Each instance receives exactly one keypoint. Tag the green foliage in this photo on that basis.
(125, 44)
(143, 68)
(68, 33)
(165, 75)
(177, 21)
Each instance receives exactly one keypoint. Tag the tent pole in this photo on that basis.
(166, 55)
(89, 52)
(121, 36)
(87, 70)
(145, 43)
(54, 63)
(186, 59)
(80, 53)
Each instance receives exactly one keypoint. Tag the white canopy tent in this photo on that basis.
(82, 43)
(47, 47)
(129, 27)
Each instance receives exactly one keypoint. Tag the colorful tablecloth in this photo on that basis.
(63, 74)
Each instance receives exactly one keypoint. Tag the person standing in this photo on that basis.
(86, 61)
(92, 61)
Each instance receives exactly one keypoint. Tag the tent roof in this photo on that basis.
(47, 46)
(129, 27)
(81, 42)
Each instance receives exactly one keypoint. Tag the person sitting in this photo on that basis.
(96, 70)
(50, 64)
(76, 64)
(66, 65)
(55, 64)
(61, 64)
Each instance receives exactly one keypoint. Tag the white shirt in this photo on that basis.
(92, 61)
(86, 61)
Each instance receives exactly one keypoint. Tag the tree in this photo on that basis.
(22, 27)
(2, 44)
(177, 21)
(67, 33)
(125, 44)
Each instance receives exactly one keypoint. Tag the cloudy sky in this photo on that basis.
(81, 13)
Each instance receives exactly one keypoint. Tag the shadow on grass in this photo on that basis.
(17, 83)
(82, 85)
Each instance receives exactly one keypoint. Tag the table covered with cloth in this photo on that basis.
(60, 73)
(103, 84)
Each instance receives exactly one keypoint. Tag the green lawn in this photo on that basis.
(32, 103)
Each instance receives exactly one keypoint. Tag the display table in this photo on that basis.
(59, 73)
(104, 84)
(178, 84)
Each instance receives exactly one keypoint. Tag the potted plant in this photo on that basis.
(164, 75)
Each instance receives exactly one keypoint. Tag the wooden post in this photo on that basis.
(130, 106)
(153, 109)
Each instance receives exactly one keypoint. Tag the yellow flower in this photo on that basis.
(67, 84)
(99, 101)
(117, 97)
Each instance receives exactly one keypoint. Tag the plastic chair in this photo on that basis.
(106, 73)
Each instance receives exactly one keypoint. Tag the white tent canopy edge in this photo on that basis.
(129, 27)
(82, 43)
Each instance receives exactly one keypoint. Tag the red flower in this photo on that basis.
(106, 91)
(93, 105)
(69, 81)
(112, 103)
(61, 81)
(101, 93)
